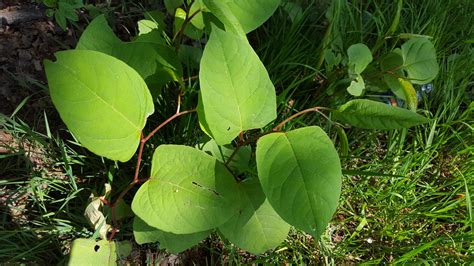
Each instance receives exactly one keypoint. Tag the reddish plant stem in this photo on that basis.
(179, 35)
(136, 180)
(312, 109)
(277, 128)
(166, 122)
(139, 160)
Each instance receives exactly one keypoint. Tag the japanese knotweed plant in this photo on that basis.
(101, 90)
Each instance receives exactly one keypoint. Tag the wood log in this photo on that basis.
(17, 15)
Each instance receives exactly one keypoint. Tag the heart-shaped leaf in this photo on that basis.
(419, 60)
(300, 173)
(359, 57)
(236, 91)
(102, 100)
(189, 191)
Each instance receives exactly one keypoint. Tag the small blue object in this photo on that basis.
(427, 88)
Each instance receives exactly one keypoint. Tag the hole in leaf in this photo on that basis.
(96, 248)
(228, 129)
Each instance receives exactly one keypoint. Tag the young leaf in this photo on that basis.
(103, 101)
(149, 33)
(410, 94)
(175, 243)
(236, 91)
(257, 227)
(359, 57)
(189, 191)
(240, 161)
(300, 173)
(375, 115)
(357, 86)
(419, 60)
(98, 36)
(146, 26)
(90, 252)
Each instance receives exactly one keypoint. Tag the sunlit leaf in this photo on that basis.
(91, 252)
(103, 101)
(189, 191)
(236, 91)
(300, 173)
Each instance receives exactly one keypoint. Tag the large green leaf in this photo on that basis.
(98, 36)
(103, 101)
(300, 174)
(90, 252)
(375, 115)
(359, 57)
(189, 191)
(419, 60)
(236, 91)
(175, 243)
(257, 227)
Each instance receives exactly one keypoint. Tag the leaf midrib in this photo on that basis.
(98, 97)
(302, 176)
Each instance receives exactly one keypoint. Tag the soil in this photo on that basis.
(24, 44)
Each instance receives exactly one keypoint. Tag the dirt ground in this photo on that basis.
(23, 47)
